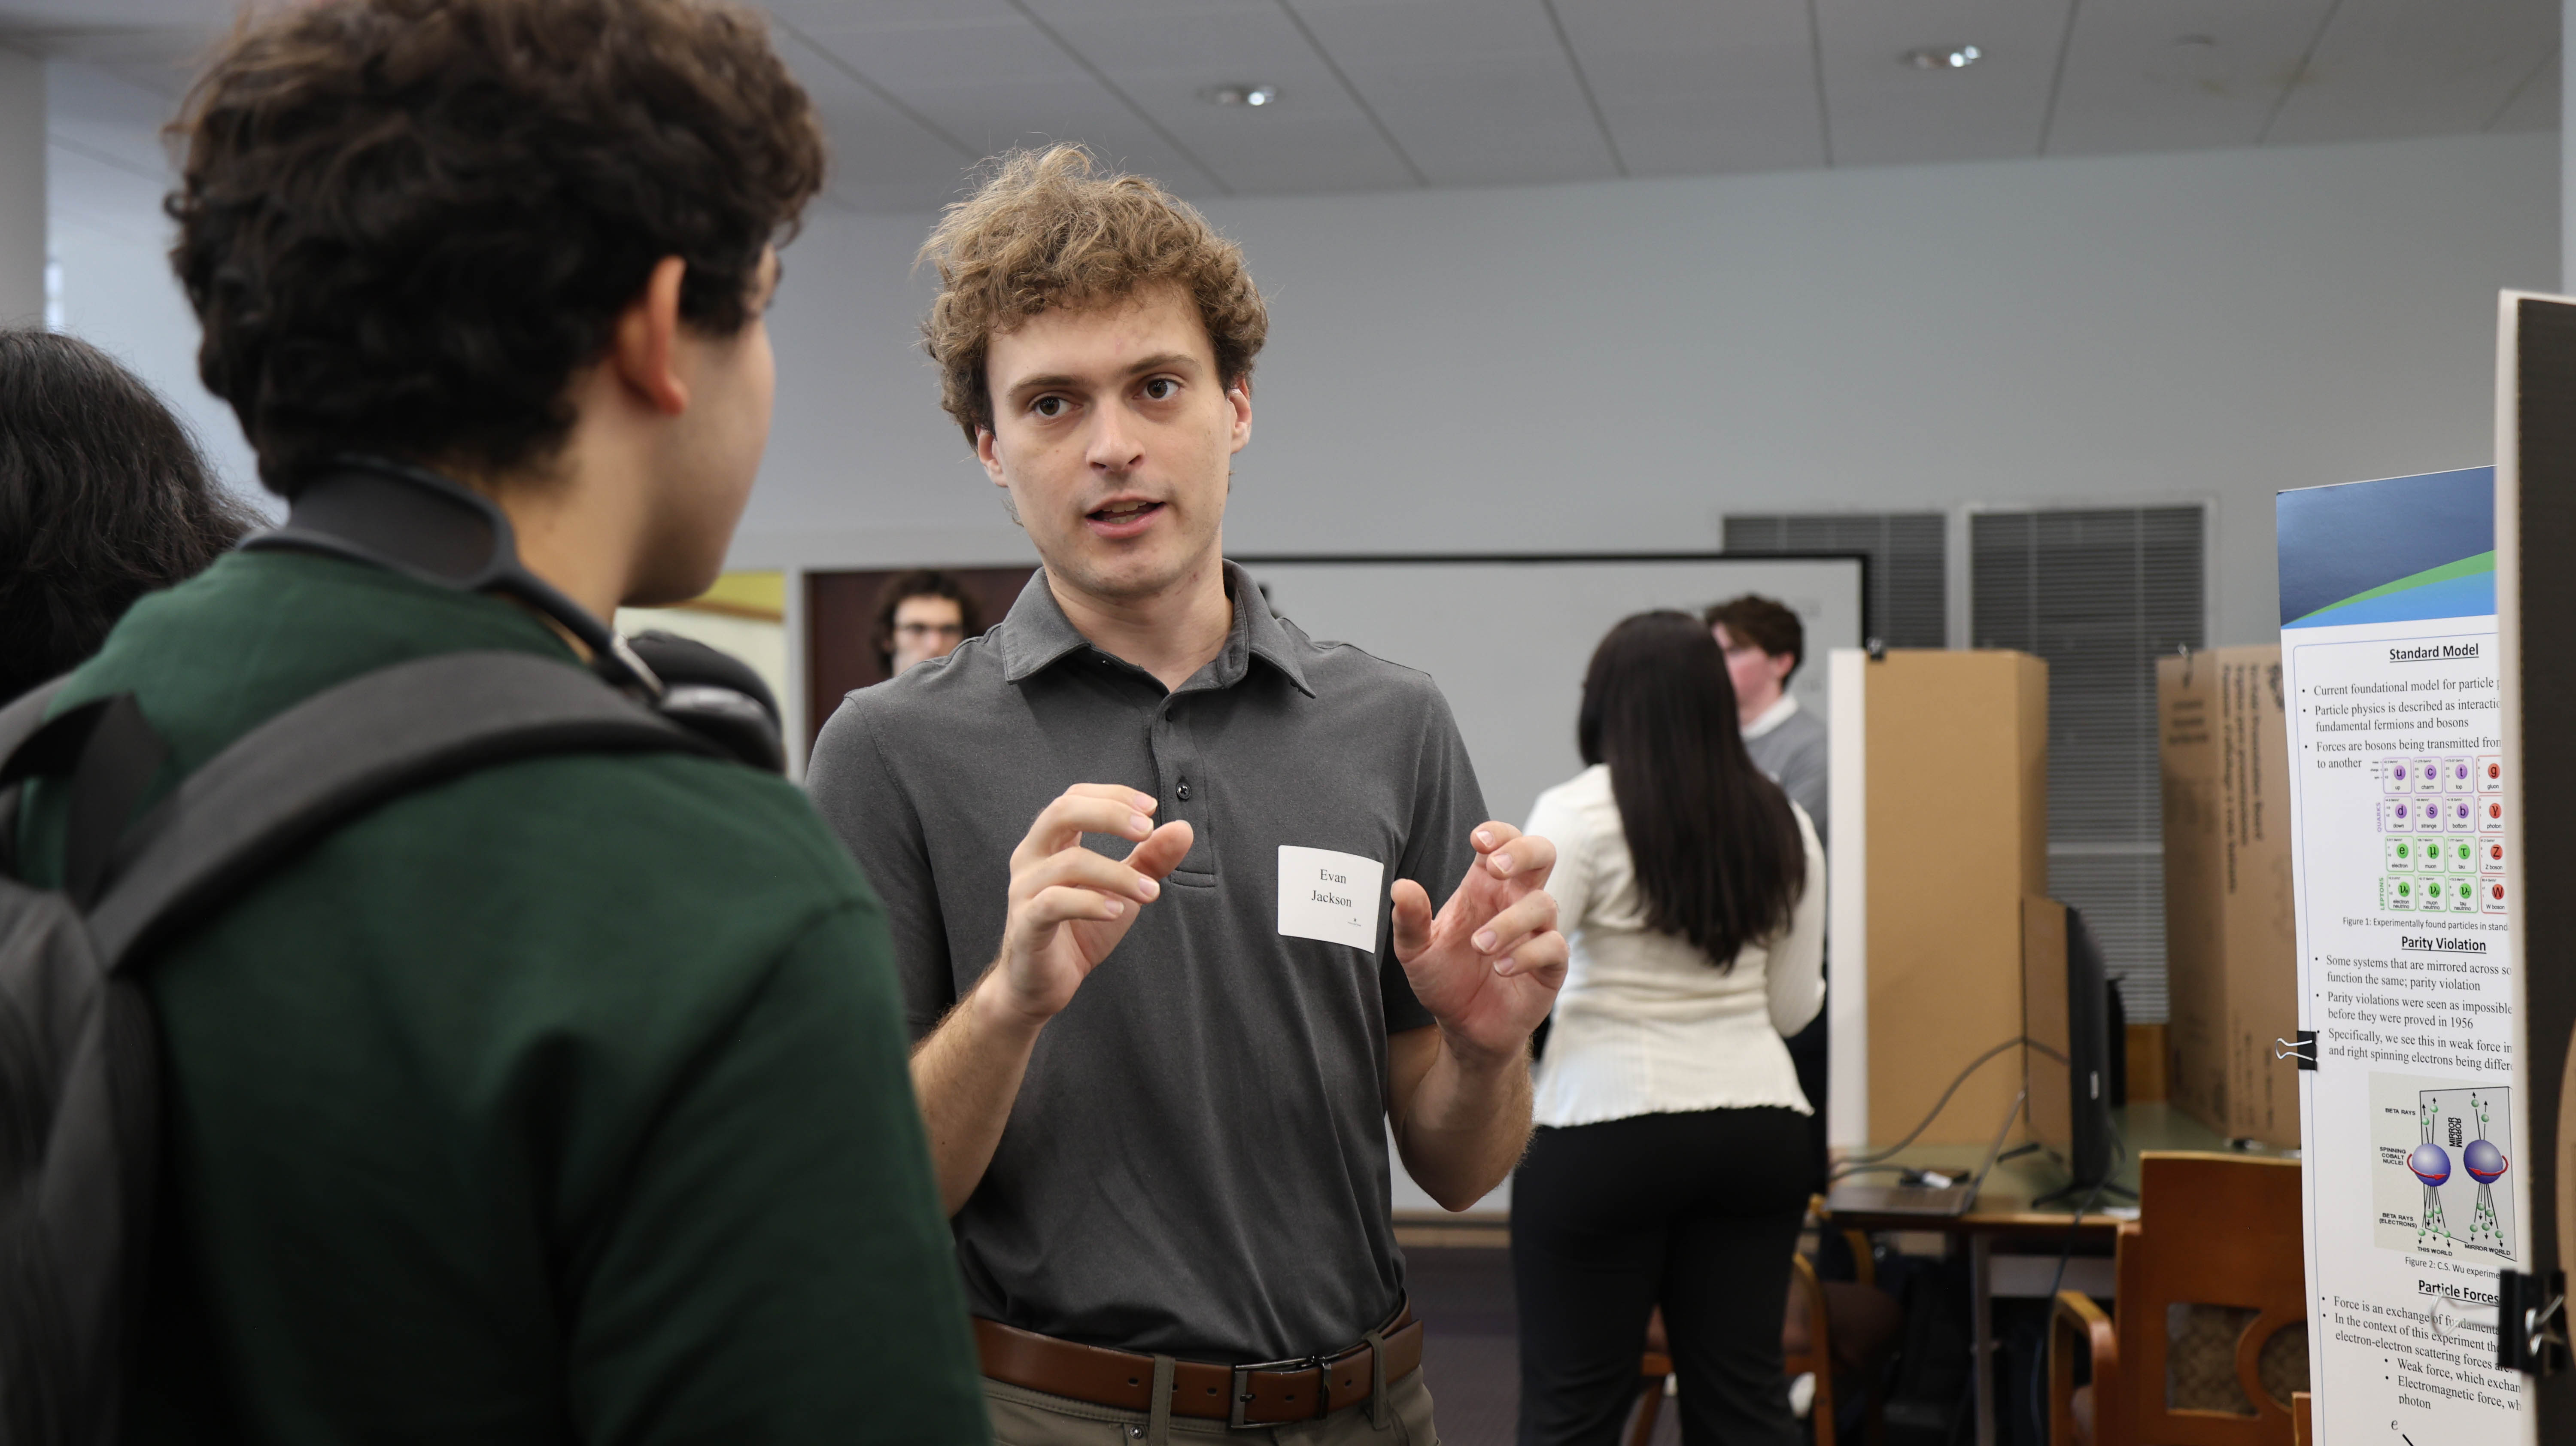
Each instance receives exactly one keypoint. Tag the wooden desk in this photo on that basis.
(2006, 1210)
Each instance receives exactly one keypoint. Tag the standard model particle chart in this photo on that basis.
(2441, 826)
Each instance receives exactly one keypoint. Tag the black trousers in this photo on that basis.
(1696, 1212)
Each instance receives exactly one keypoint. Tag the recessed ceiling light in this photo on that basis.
(1254, 95)
(1943, 57)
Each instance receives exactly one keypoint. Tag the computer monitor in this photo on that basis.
(2066, 1060)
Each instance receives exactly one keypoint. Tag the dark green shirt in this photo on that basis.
(563, 1101)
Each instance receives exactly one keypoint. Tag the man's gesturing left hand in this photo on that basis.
(1488, 964)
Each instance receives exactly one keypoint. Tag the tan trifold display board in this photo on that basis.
(2231, 939)
(1940, 812)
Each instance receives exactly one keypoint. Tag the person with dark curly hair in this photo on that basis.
(1160, 1086)
(564, 1100)
(103, 498)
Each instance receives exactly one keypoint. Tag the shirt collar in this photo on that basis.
(1773, 716)
(1036, 634)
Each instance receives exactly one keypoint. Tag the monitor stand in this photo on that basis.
(2077, 1191)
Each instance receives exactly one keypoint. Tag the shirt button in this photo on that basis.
(1183, 790)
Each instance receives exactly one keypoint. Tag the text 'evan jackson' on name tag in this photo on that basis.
(1329, 896)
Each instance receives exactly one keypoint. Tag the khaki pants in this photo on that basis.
(1023, 1417)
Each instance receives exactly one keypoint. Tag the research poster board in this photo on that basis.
(2413, 1115)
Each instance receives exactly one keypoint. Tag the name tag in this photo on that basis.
(1329, 896)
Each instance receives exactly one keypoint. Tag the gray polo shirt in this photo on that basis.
(1196, 1164)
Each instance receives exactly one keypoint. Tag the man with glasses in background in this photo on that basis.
(921, 615)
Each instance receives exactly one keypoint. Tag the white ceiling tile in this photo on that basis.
(1148, 12)
(1312, 139)
(1883, 112)
(1301, 157)
(878, 151)
(888, 14)
(1235, 43)
(1161, 53)
(2176, 74)
(1478, 92)
(993, 119)
(994, 51)
(2416, 67)
(1690, 89)
(2535, 107)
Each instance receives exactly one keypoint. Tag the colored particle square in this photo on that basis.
(2399, 815)
(2400, 854)
(2490, 855)
(2400, 892)
(2397, 775)
(2460, 855)
(2459, 815)
(2490, 815)
(2461, 894)
(2491, 896)
(2459, 775)
(2490, 773)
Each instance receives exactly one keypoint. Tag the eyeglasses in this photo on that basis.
(927, 630)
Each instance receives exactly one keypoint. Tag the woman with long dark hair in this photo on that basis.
(103, 498)
(1670, 1166)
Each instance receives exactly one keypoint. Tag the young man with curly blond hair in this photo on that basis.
(1159, 1067)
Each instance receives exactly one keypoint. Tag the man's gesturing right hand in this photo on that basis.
(1070, 906)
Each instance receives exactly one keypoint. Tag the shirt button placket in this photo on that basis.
(1175, 784)
(1178, 767)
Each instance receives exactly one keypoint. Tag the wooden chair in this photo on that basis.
(2301, 1431)
(2220, 1236)
(1806, 1346)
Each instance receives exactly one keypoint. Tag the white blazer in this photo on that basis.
(1645, 1023)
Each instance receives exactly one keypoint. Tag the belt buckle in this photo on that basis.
(1242, 1388)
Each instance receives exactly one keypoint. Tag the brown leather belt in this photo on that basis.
(1266, 1394)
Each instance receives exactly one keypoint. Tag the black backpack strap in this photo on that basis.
(18, 722)
(26, 713)
(107, 750)
(293, 779)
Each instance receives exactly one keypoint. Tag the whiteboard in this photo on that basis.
(1508, 639)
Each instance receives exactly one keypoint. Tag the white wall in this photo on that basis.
(107, 175)
(1618, 365)
(22, 188)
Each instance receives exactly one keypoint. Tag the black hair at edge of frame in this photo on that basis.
(103, 498)
(1718, 855)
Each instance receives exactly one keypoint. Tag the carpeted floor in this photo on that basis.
(1470, 1354)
